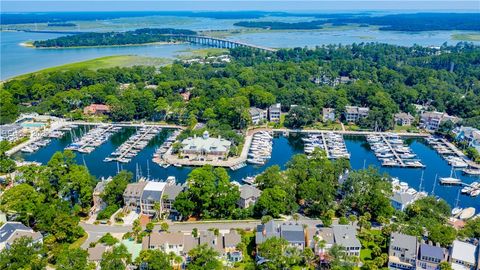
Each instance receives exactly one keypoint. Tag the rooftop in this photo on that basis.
(405, 242)
(248, 191)
(464, 251)
(8, 229)
(345, 235)
(205, 143)
(431, 251)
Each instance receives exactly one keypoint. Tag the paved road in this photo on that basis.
(97, 231)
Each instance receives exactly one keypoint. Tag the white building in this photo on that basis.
(354, 113)
(463, 255)
(328, 114)
(200, 147)
(432, 120)
(274, 112)
(11, 132)
(403, 119)
(10, 231)
(346, 236)
(258, 115)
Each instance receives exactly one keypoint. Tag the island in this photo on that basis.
(136, 37)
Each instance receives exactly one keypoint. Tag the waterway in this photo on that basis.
(284, 148)
(16, 59)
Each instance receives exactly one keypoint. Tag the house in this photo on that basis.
(293, 233)
(429, 256)
(167, 242)
(10, 231)
(230, 243)
(469, 135)
(95, 254)
(274, 112)
(205, 147)
(432, 120)
(463, 255)
(96, 109)
(328, 114)
(11, 132)
(324, 241)
(258, 115)
(98, 203)
(403, 119)
(212, 240)
(143, 195)
(402, 196)
(402, 252)
(354, 113)
(185, 95)
(133, 194)
(346, 236)
(248, 196)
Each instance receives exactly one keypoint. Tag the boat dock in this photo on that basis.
(390, 150)
(93, 138)
(454, 156)
(331, 143)
(260, 149)
(133, 145)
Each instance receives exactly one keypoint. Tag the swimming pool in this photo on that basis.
(32, 125)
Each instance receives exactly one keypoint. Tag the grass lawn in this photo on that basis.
(398, 128)
(365, 254)
(104, 62)
(79, 241)
(467, 37)
(326, 126)
(203, 52)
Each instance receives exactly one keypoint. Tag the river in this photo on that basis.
(17, 59)
(284, 148)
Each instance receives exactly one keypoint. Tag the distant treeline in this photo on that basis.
(139, 36)
(45, 17)
(62, 24)
(397, 22)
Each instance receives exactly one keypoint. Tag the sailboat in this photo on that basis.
(457, 210)
(450, 180)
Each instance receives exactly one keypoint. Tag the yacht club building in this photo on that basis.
(205, 147)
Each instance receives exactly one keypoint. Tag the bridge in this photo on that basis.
(219, 42)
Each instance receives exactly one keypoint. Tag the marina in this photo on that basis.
(158, 156)
(453, 156)
(133, 145)
(332, 143)
(260, 148)
(93, 138)
(392, 152)
(283, 149)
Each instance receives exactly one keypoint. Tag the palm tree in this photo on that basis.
(296, 217)
(156, 207)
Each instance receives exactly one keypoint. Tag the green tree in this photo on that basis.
(23, 254)
(113, 192)
(73, 259)
(22, 200)
(153, 260)
(272, 201)
(8, 108)
(116, 259)
(203, 257)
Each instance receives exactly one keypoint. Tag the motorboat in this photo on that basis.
(467, 213)
(456, 211)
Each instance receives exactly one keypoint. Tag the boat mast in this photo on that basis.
(434, 184)
(148, 170)
(421, 182)
(458, 199)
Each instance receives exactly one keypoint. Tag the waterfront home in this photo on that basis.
(432, 120)
(323, 240)
(96, 109)
(265, 231)
(248, 196)
(346, 236)
(463, 255)
(403, 119)
(274, 112)
(205, 147)
(98, 203)
(11, 132)
(328, 114)
(468, 134)
(10, 231)
(402, 195)
(132, 195)
(430, 256)
(230, 243)
(258, 115)
(354, 113)
(402, 252)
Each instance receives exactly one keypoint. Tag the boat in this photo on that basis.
(249, 180)
(467, 213)
(27, 149)
(255, 161)
(471, 171)
(450, 180)
(466, 189)
(456, 211)
(177, 165)
(407, 155)
(475, 193)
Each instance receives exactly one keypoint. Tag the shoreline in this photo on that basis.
(26, 44)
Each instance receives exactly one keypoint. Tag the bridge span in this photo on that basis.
(219, 42)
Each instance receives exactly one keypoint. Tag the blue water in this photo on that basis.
(283, 150)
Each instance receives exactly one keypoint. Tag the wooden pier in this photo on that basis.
(122, 155)
(325, 146)
(397, 157)
(88, 143)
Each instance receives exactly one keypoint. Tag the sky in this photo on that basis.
(231, 5)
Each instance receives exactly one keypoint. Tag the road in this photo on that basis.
(95, 232)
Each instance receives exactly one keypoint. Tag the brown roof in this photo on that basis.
(158, 239)
(95, 253)
(232, 239)
(212, 241)
(134, 189)
(189, 243)
(18, 234)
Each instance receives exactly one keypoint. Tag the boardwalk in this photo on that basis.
(132, 145)
(399, 160)
(348, 132)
